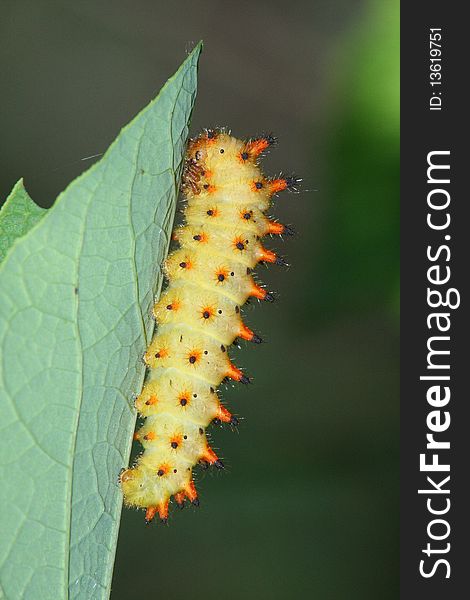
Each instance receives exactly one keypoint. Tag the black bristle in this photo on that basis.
(164, 521)
(281, 261)
(234, 421)
(256, 339)
(269, 297)
(195, 502)
(245, 380)
(293, 183)
(288, 230)
(270, 138)
(219, 464)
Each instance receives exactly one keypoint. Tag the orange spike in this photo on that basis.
(275, 228)
(179, 497)
(261, 293)
(150, 436)
(265, 255)
(163, 511)
(256, 147)
(209, 455)
(245, 333)
(236, 374)
(223, 414)
(258, 292)
(136, 436)
(190, 491)
(150, 513)
(277, 185)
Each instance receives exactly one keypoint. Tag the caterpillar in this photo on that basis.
(198, 315)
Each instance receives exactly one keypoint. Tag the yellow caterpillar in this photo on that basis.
(198, 315)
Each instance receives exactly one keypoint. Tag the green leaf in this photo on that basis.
(18, 215)
(75, 318)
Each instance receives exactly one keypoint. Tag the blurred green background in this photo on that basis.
(308, 503)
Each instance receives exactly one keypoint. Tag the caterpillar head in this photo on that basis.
(213, 150)
(215, 157)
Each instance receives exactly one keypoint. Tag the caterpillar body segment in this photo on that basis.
(199, 316)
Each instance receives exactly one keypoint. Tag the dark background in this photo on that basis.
(308, 504)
